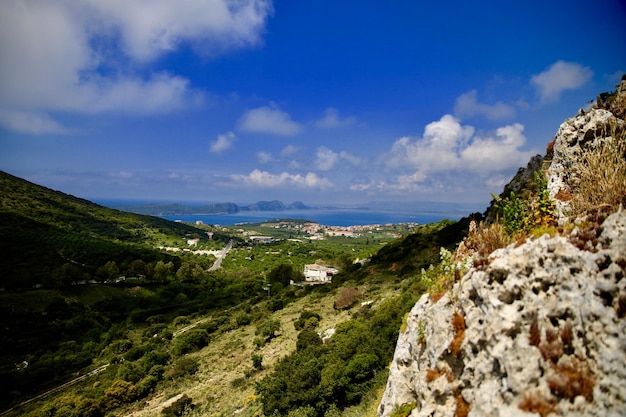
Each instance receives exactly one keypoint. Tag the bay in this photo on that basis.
(327, 217)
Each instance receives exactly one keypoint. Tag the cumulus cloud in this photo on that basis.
(559, 77)
(258, 178)
(88, 57)
(326, 159)
(331, 119)
(447, 147)
(211, 26)
(467, 105)
(269, 119)
(264, 157)
(223, 142)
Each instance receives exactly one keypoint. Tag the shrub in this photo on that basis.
(191, 341)
(119, 393)
(347, 298)
(307, 319)
(268, 329)
(178, 408)
(307, 338)
(182, 367)
(243, 319)
(257, 361)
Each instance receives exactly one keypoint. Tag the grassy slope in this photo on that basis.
(38, 225)
(41, 229)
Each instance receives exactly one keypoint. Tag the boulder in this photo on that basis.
(540, 329)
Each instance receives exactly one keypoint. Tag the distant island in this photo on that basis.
(173, 209)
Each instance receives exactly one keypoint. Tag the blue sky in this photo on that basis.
(325, 102)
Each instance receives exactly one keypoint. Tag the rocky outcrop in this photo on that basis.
(539, 329)
(576, 135)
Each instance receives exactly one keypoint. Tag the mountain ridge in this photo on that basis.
(173, 209)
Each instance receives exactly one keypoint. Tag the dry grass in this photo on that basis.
(458, 324)
(537, 403)
(462, 408)
(601, 175)
(482, 241)
(572, 379)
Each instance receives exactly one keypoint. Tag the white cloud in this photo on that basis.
(467, 105)
(449, 147)
(223, 142)
(30, 122)
(289, 150)
(148, 31)
(559, 77)
(325, 158)
(331, 119)
(269, 119)
(82, 57)
(264, 157)
(258, 178)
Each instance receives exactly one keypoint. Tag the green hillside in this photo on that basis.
(53, 329)
(51, 238)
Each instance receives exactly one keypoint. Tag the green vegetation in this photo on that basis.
(87, 287)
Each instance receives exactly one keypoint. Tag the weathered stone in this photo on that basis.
(575, 135)
(579, 362)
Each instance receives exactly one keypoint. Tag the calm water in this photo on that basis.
(335, 217)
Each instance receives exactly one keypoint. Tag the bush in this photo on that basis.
(182, 367)
(257, 361)
(243, 319)
(191, 341)
(347, 298)
(307, 338)
(307, 319)
(179, 408)
(268, 329)
(119, 393)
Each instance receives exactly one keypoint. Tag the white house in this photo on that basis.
(318, 273)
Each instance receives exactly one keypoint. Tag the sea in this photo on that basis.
(327, 217)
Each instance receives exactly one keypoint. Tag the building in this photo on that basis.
(315, 273)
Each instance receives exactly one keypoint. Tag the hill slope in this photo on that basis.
(41, 230)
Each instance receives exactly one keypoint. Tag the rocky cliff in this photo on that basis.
(538, 328)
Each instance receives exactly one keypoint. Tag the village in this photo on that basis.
(317, 252)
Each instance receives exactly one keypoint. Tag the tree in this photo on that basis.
(108, 271)
(283, 273)
(163, 271)
(307, 338)
(268, 329)
(190, 272)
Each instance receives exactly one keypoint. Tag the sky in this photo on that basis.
(325, 102)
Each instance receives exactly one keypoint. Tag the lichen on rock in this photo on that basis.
(573, 365)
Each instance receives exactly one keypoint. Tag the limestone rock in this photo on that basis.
(540, 328)
(575, 135)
